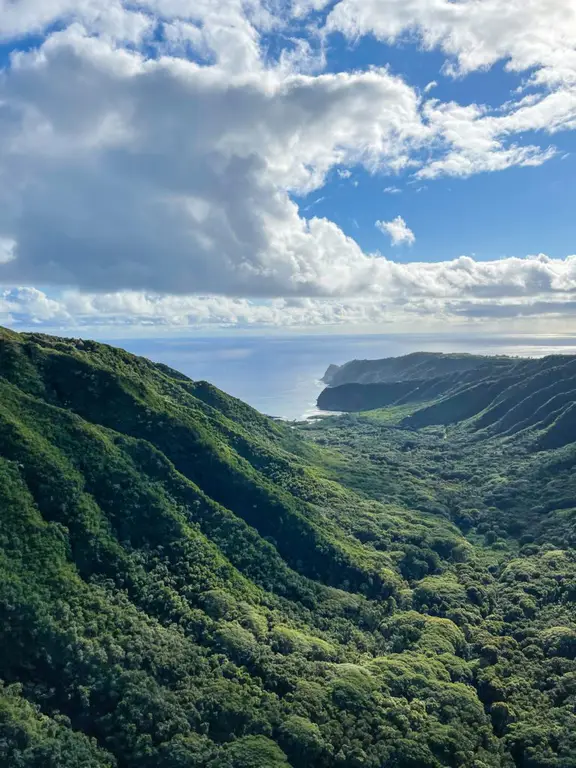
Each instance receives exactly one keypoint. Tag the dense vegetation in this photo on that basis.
(187, 583)
(418, 366)
(503, 394)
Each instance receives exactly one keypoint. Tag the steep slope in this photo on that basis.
(418, 366)
(536, 396)
(363, 385)
(365, 397)
(182, 584)
(495, 396)
(185, 583)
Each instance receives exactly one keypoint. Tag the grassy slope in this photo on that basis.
(418, 366)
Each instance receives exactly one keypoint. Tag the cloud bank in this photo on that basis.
(445, 292)
(165, 175)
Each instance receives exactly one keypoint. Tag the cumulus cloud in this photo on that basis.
(476, 138)
(536, 37)
(226, 32)
(537, 34)
(397, 230)
(444, 293)
(163, 174)
(155, 152)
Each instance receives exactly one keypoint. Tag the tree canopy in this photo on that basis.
(185, 583)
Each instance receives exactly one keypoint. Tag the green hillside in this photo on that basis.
(363, 385)
(186, 583)
(494, 395)
(417, 366)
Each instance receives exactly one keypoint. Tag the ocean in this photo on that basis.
(280, 375)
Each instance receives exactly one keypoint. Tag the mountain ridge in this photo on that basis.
(414, 366)
(503, 396)
(185, 583)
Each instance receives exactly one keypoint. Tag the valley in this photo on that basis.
(186, 583)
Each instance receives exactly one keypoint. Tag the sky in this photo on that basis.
(170, 167)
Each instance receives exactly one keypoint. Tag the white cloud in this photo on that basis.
(166, 175)
(303, 7)
(397, 230)
(462, 290)
(140, 180)
(537, 37)
(30, 306)
(226, 30)
(392, 190)
(535, 34)
(7, 250)
(111, 20)
(432, 84)
(476, 138)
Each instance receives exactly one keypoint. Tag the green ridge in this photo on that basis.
(186, 583)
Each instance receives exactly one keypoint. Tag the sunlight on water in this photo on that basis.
(280, 376)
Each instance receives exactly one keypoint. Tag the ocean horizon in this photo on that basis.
(281, 375)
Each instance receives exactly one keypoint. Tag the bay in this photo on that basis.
(280, 375)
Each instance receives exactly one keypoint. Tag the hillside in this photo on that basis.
(418, 366)
(503, 396)
(186, 583)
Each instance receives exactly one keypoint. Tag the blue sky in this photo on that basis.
(513, 213)
(307, 165)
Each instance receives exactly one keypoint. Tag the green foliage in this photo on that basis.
(251, 752)
(29, 739)
(185, 583)
(494, 610)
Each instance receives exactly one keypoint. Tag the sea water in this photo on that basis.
(281, 375)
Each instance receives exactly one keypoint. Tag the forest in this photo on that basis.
(186, 583)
